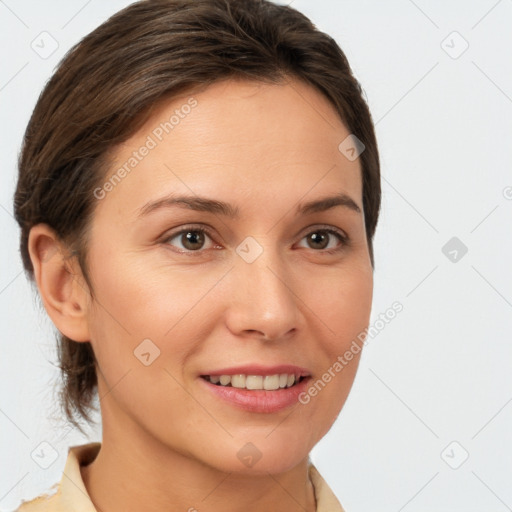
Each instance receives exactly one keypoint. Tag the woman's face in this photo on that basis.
(249, 274)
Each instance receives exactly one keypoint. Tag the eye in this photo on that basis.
(193, 239)
(326, 239)
(190, 239)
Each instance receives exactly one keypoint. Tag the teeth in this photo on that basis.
(257, 382)
(225, 380)
(271, 382)
(254, 382)
(238, 381)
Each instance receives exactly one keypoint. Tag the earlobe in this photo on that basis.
(63, 290)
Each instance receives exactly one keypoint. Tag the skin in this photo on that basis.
(264, 149)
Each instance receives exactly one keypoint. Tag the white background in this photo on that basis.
(440, 371)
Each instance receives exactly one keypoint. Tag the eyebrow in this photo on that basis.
(204, 204)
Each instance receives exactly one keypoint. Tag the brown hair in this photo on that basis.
(107, 83)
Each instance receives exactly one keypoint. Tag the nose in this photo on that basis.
(262, 302)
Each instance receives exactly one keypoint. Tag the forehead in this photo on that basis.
(237, 138)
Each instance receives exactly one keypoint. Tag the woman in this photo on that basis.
(198, 192)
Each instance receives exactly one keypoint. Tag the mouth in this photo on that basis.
(257, 389)
(256, 382)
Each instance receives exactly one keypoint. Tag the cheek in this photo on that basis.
(145, 300)
(137, 302)
(344, 306)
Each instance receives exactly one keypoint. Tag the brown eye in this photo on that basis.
(193, 240)
(325, 239)
(319, 239)
(189, 239)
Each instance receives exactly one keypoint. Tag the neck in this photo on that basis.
(133, 471)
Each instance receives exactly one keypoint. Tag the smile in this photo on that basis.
(255, 382)
(257, 388)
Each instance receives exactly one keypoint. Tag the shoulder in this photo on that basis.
(70, 492)
(44, 502)
(326, 501)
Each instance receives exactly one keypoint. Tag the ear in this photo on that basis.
(63, 289)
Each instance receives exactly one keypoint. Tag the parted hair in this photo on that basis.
(105, 87)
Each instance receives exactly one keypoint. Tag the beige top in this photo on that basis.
(71, 495)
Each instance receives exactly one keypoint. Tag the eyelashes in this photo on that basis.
(192, 240)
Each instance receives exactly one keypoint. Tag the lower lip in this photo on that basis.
(258, 400)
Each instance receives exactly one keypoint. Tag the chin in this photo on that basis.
(262, 453)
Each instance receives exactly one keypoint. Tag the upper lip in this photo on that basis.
(257, 369)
